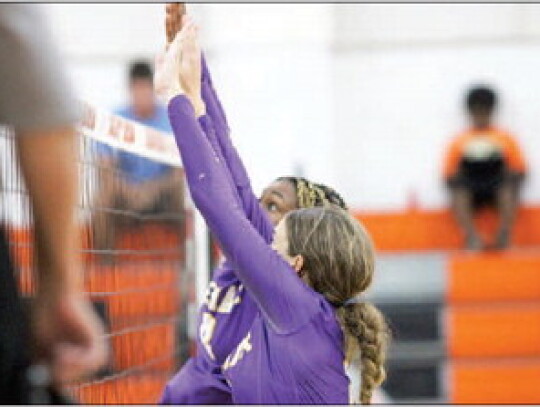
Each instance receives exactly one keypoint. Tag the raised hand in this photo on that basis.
(178, 70)
(167, 75)
(167, 72)
(190, 63)
(173, 20)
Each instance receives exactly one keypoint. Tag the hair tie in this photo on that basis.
(352, 300)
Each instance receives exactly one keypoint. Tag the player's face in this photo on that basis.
(142, 96)
(481, 117)
(278, 199)
(281, 245)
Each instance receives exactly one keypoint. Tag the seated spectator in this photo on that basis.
(130, 182)
(484, 167)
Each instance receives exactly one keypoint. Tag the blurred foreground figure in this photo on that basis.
(484, 167)
(65, 335)
(128, 181)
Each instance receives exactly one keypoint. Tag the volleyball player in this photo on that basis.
(227, 315)
(308, 321)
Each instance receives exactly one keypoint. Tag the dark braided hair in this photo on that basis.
(310, 194)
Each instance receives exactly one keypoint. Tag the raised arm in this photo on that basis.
(35, 99)
(283, 298)
(222, 143)
(250, 202)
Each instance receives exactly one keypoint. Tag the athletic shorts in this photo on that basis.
(14, 344)
(482, 179)
(15, 387)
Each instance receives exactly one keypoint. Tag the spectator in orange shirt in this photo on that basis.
(484, 167)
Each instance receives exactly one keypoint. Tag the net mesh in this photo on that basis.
(136, 238)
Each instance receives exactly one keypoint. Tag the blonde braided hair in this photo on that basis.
(311, 195)
(339, 263)
(366, 331)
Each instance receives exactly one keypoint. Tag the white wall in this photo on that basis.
(362, 96)
(401, 72)
(99, 40)
(273, 70)
(403, 107)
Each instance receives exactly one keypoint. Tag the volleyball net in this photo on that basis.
(136, 230)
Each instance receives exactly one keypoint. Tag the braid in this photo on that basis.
(310, 195)
(305, 193)
(331, 196)
(364, 323)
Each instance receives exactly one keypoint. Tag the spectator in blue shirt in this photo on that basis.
(135, 183)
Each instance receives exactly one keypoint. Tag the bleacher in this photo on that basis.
(141, 302)
(466, 326)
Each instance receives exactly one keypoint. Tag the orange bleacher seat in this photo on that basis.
(20, 240)
(495, 382)
(507, 276)
(505, 330)
(133, 389)
(411, 230)
(136, 290)
(144, 344)
(437, 229)
(157, 240)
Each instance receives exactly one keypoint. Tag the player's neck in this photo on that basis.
(480, 128)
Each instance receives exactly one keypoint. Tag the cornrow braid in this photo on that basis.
(366, 329)
(310, 194)
(331, 196)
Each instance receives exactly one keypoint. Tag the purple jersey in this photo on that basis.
(228, 312)
(293, 352)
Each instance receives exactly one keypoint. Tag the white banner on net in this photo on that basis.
(128, 135)
(103, 126)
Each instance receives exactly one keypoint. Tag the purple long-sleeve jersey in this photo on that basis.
(293, 352)
(228, 312)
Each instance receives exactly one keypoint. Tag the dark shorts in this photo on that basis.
(482, 198)
(15, 388)
(14, 349)
(483, 180)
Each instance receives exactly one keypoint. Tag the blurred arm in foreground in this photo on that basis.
(35, 100)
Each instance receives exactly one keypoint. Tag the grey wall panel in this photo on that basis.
(419, 277)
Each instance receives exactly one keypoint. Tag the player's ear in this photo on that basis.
(297, 262)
